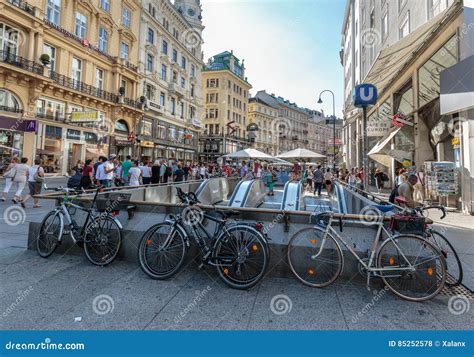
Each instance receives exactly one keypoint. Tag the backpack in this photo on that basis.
(385, 177)
(169, 171)
(393, 194)
(75, 181)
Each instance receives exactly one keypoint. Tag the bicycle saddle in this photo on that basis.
(227, 214)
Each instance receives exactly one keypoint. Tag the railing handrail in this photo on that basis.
(21, 62)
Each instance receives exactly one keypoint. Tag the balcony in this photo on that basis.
(23, 5)
(132, 103)
(294, 138)
(20, 62)
(175, 88)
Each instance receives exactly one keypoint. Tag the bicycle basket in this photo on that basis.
(112, 201)
(408, 224)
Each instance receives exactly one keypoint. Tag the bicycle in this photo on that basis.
(410, 266)
(454, 265)
(100, 235)
(238, 250)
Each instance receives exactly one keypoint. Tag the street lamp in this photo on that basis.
(320, 101)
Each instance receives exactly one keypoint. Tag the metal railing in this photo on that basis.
(23, 5)
(4, 108)
(21, 62)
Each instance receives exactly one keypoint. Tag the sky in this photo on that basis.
(291, 48)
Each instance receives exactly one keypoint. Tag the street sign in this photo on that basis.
(364, 95)
(400, 120)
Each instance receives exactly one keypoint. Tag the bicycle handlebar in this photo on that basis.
(425, 208)
(187, 197)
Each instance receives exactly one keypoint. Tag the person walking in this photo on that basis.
(406, 190)
(318, 177)
(352, 180)
(107, 171)
(146, 173)
(126, 166)
(379, 180)
(20, 178)
(134, 174)
(87, 175)
(419, 193)
(328, 181)
(98, 173)
(308, 176)
(8, 176)
(35, 175)
(202, 172)
(179, 174)
(155, 172)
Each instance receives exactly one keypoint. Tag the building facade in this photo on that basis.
(262, 117)
(68, 80)
(171, 64)
(225, 93)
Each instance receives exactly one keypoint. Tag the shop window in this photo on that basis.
(429, 73)
(121, 127)
(9, 102)
(11, 144)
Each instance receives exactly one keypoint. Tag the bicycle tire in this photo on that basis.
(453, 279)
(426, 271)
(234, 260)
(52, 243)
(147, 249)
(102, 247)
(314, 269)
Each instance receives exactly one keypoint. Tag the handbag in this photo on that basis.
(38, 178)
(10, 173)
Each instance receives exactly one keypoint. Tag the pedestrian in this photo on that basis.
(8, 176)
(126, 165)
(186, 170)
(20, 178)
(352, 180)
(107, 171)
(406, 190)
(318, 177)
(244, 170)
(270, 179)
(155, 172)
(328, 181)
(178, 174)
(379, 180)
(419, 193)
(98, 173)
(35, 176)
(308, 176)
(134, 174)
(87, 175)
(146, 173)
(202, 172)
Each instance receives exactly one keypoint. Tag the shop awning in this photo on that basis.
(380, 152)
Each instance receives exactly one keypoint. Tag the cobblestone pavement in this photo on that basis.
(67, 292)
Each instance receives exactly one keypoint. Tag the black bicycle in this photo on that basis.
(239, 250)
(101, 233)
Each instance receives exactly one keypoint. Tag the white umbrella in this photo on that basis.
(249, 154)
(301, 155)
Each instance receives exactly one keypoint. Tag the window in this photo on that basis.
(212, 83)
(164, 47)
(193, 70)
(81, 25)
(175, 77)
(183, 82)
(46, 108)
(151, 10)
(401, 4)
(175, 56)
(171, 105)
(181, 109)
(384, 26)
(51, 51)
(405, 27)
(8, 100)
(183, 62)
(124, 51)
(192, 112)
(150, 38)
(53, 12)
(192, 90)
(150, 92)
(126, 17)
(76, 72)
(99, 79)
(164, 71)
(9, 40)
(435, 7)
(103, 40)
(147, 127)
(149, 62)
(166, 24)
(105, 5)
(123, 84)
(162, 99)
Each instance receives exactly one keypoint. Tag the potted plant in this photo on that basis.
(122, 91)
(142, 99)
(45, 59)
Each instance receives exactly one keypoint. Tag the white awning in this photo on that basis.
(381, 151)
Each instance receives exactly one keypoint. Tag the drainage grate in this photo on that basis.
(459, 290)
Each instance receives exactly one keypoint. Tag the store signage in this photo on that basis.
(377, 127)
(400, 120)
(147, 144)
(364, 95)
(338, 141)
(123, 143)
(73, 134)
(84, 117)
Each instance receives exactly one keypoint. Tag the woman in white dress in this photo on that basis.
(21, 175)
(8, 176)
(134, 174)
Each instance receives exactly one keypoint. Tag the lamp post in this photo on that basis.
(333, 124)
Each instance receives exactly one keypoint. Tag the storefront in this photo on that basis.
(51, 150)
(123, 140)
(146, 150)
(95, 146)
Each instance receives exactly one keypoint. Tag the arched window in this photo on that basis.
(9, 102)
(121, 127)
(9, 39)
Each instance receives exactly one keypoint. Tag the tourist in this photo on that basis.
(146, 173)
(352, 180)
(308, 178)
(406, 190)
(328, 181)
(186, 170)
(87, 175)
(20, 178)
(99, 162)
(244, 170)
(318, 177)
(163, 170)
(419, 193)
(126, 166)
(379, 180)
(35, 176)
(134, 174)
(178, 174)
(202, 172)
(8, 176)
(106, 170)
(155, 172)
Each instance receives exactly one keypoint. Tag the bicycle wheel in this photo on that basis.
(102, 240)
(157, 260)
(241, 256)
(50, 233)
(315, 257)
(453, 264)
(416, 269)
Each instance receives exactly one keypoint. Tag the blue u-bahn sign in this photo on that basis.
(364, 95)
